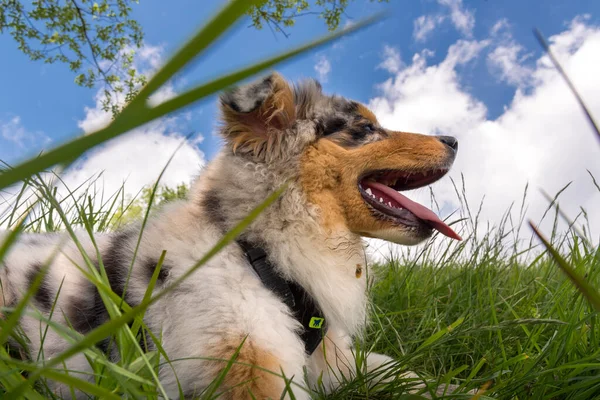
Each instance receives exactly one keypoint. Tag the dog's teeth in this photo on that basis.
(369, 191)
(381, 199)
(389, 203)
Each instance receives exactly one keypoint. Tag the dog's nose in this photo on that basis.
(449, 141)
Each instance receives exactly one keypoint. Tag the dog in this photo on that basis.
(342, 175)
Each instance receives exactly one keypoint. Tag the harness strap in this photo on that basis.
(303, 306)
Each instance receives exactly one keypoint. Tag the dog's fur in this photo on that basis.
(320, 146)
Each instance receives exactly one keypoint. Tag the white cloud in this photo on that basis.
(462, 19)
(424, 25)
(464, 51)
(137, 158)
(146, 61)
(391, 60)
(131, 161)
(429, 98)
(542, 138)
(348, 23)
(323, 68)
(128, 163)
(14, 131)
(506, 62)
(500, 26)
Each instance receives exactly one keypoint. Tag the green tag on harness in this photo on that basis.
(316, 322)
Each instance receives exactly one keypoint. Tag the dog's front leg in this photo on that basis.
(334, 363)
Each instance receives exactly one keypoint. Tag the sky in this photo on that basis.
(471, 69)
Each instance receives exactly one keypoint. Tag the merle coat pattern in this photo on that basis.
(320, 146)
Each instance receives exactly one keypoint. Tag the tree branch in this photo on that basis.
(90, 43)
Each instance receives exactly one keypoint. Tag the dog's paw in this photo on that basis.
(424, 388)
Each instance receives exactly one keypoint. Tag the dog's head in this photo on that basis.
(348, 165)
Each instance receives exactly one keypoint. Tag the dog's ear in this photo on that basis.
(256, 115)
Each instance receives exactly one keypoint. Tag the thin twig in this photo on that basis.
(90, 44)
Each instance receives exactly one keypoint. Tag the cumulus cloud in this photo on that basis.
(542, 138)
(15, 132)
(126, 164)
(462, 19)
(146, 61)
(500, 26)
(131, 161)
(424, 25)
(506, 62)
(323, 68)
(509, 61)
(429, 98)
(391, 60)
(137, 158)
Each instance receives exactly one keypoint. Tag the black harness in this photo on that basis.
(304, 308)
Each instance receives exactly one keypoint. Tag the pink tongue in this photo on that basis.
(418, 210)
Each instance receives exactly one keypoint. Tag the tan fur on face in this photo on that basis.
(259, 131)
(248, 377)
(368, 114)
(330, 175)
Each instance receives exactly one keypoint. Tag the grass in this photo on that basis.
(482, 314)
(522, 330)
(494, 313)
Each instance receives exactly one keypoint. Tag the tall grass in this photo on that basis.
(492, 314)
(483, 314)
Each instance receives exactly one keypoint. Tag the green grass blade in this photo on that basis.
(441, 333)
(148, 294)
(10, 376)
(590, 293)
(11, 238)
(83, 385)
(140, 116)
(561, 71)
(11, 322)
(229, 79)
(218, 381)
(206, 36)
(111, 326)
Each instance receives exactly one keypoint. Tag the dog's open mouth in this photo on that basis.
(381, 190)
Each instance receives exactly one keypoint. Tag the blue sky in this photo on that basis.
(482, 55)
(46, 100)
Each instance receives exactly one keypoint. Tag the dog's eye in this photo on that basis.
(370, 128)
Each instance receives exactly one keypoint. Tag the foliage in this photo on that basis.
(96, 39)
(133, 209)
(282, 14)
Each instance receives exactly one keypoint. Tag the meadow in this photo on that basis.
(500, 313)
